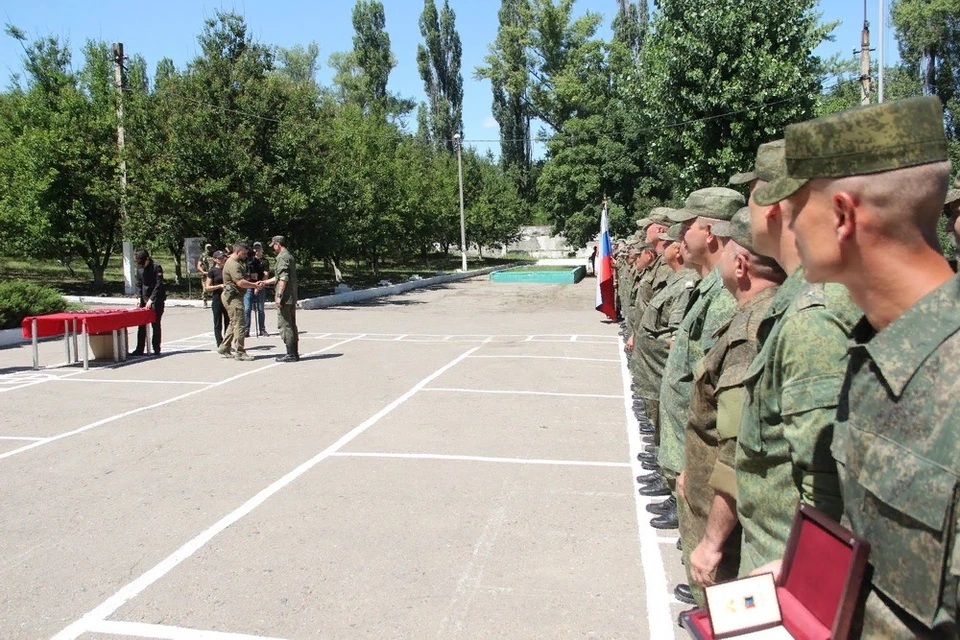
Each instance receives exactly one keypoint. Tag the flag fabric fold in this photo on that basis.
(606, 302)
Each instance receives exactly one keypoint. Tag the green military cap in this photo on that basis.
(672, 234)
(718, 203)
(635, 249)
(860, 141)
(643, 223)
(953, 194)
(769, 165)
(736, 229)
(661, 215)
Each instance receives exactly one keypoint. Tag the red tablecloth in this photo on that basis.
(98, 321)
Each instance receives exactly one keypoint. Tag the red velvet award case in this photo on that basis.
(819, 586)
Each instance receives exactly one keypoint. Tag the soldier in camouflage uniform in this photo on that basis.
(285, 280)
(203, 266)
(710, 306)
(866, 187)
(783, 447)
(707, 485)
(658, 325)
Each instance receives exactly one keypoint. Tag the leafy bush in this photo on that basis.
(19, 300)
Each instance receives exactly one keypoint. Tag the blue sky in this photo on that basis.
(155, 30)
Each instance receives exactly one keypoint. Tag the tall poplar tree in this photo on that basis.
(438, 61)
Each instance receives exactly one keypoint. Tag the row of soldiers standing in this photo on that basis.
(803, 345)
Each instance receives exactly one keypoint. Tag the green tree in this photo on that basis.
(506, 66)
(438, 61)
(59, 185)
(720, 78)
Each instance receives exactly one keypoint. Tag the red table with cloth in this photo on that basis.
(91, 322)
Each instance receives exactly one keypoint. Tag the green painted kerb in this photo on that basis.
(550, 275)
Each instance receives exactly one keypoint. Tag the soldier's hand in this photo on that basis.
(630, 343)
(703, 564)
(771, 567)
(680, 482)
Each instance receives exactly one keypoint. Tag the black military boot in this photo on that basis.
(683, 594)
(659, 508)
(655, 489)
(666, 520)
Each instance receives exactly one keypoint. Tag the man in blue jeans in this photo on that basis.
(257, 270)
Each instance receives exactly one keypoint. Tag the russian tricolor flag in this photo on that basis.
(604, 269)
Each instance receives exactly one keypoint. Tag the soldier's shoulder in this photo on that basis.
(830, 298)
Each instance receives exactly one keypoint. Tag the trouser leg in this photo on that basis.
(141, 338)
(236, 323)
(287, 325)
(216, 304)
(247, 305)
(158, 309)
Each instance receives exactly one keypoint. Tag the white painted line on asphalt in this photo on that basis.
(525, 393)
(20, 438)
(437, 456)
(671, 541)
(134, 381)
(399, 338)
(81, 371)
(182, 396)
(166, 632)
(552, 358)
(133, 589)
(573, 338)
(651, 559)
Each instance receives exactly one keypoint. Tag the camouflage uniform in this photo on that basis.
(897, 438)
(710, 307)
(710, 439)
(655, 334)
(286, 271)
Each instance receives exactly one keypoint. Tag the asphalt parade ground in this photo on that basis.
(456, 462)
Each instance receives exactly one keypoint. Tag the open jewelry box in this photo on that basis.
(815, 598)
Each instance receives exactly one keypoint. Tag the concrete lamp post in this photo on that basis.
(463, 224)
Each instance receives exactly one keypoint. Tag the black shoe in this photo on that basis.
(647, 429)
(136, 353)
(683, 594)
(246, 335)
(650, 478)
(263, 334)
(647, 457)
(666, 506)
(650, 466)
(650, 448)
(666, 521)
(288, 358)
(656, 489)
(679, 544)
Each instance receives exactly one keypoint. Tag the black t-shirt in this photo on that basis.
(216, 276)
(257, 269)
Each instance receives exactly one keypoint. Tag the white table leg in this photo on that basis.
(66, 340)
(116, 346)
(86, 347)
(36, 352)
(147, 348)
(76, 351)
(124, 346)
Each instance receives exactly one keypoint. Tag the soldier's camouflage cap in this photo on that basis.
(719, 203)
(661, 215)
(737, 229)
(643, 223)
(769, 165)
(860, 141)
(672, 234)
(953, 194)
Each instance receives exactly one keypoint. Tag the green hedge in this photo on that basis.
(19, 300)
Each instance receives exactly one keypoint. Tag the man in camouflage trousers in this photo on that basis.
(865, 189)
(285, 279)
(234, 285)
(710, 307)
(783, 447)
(707, 486)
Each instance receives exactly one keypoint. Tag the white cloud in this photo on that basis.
(490, 123)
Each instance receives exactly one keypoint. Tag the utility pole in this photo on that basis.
(865, 81)
(463, 224)
(880, 53)
(119, 80)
